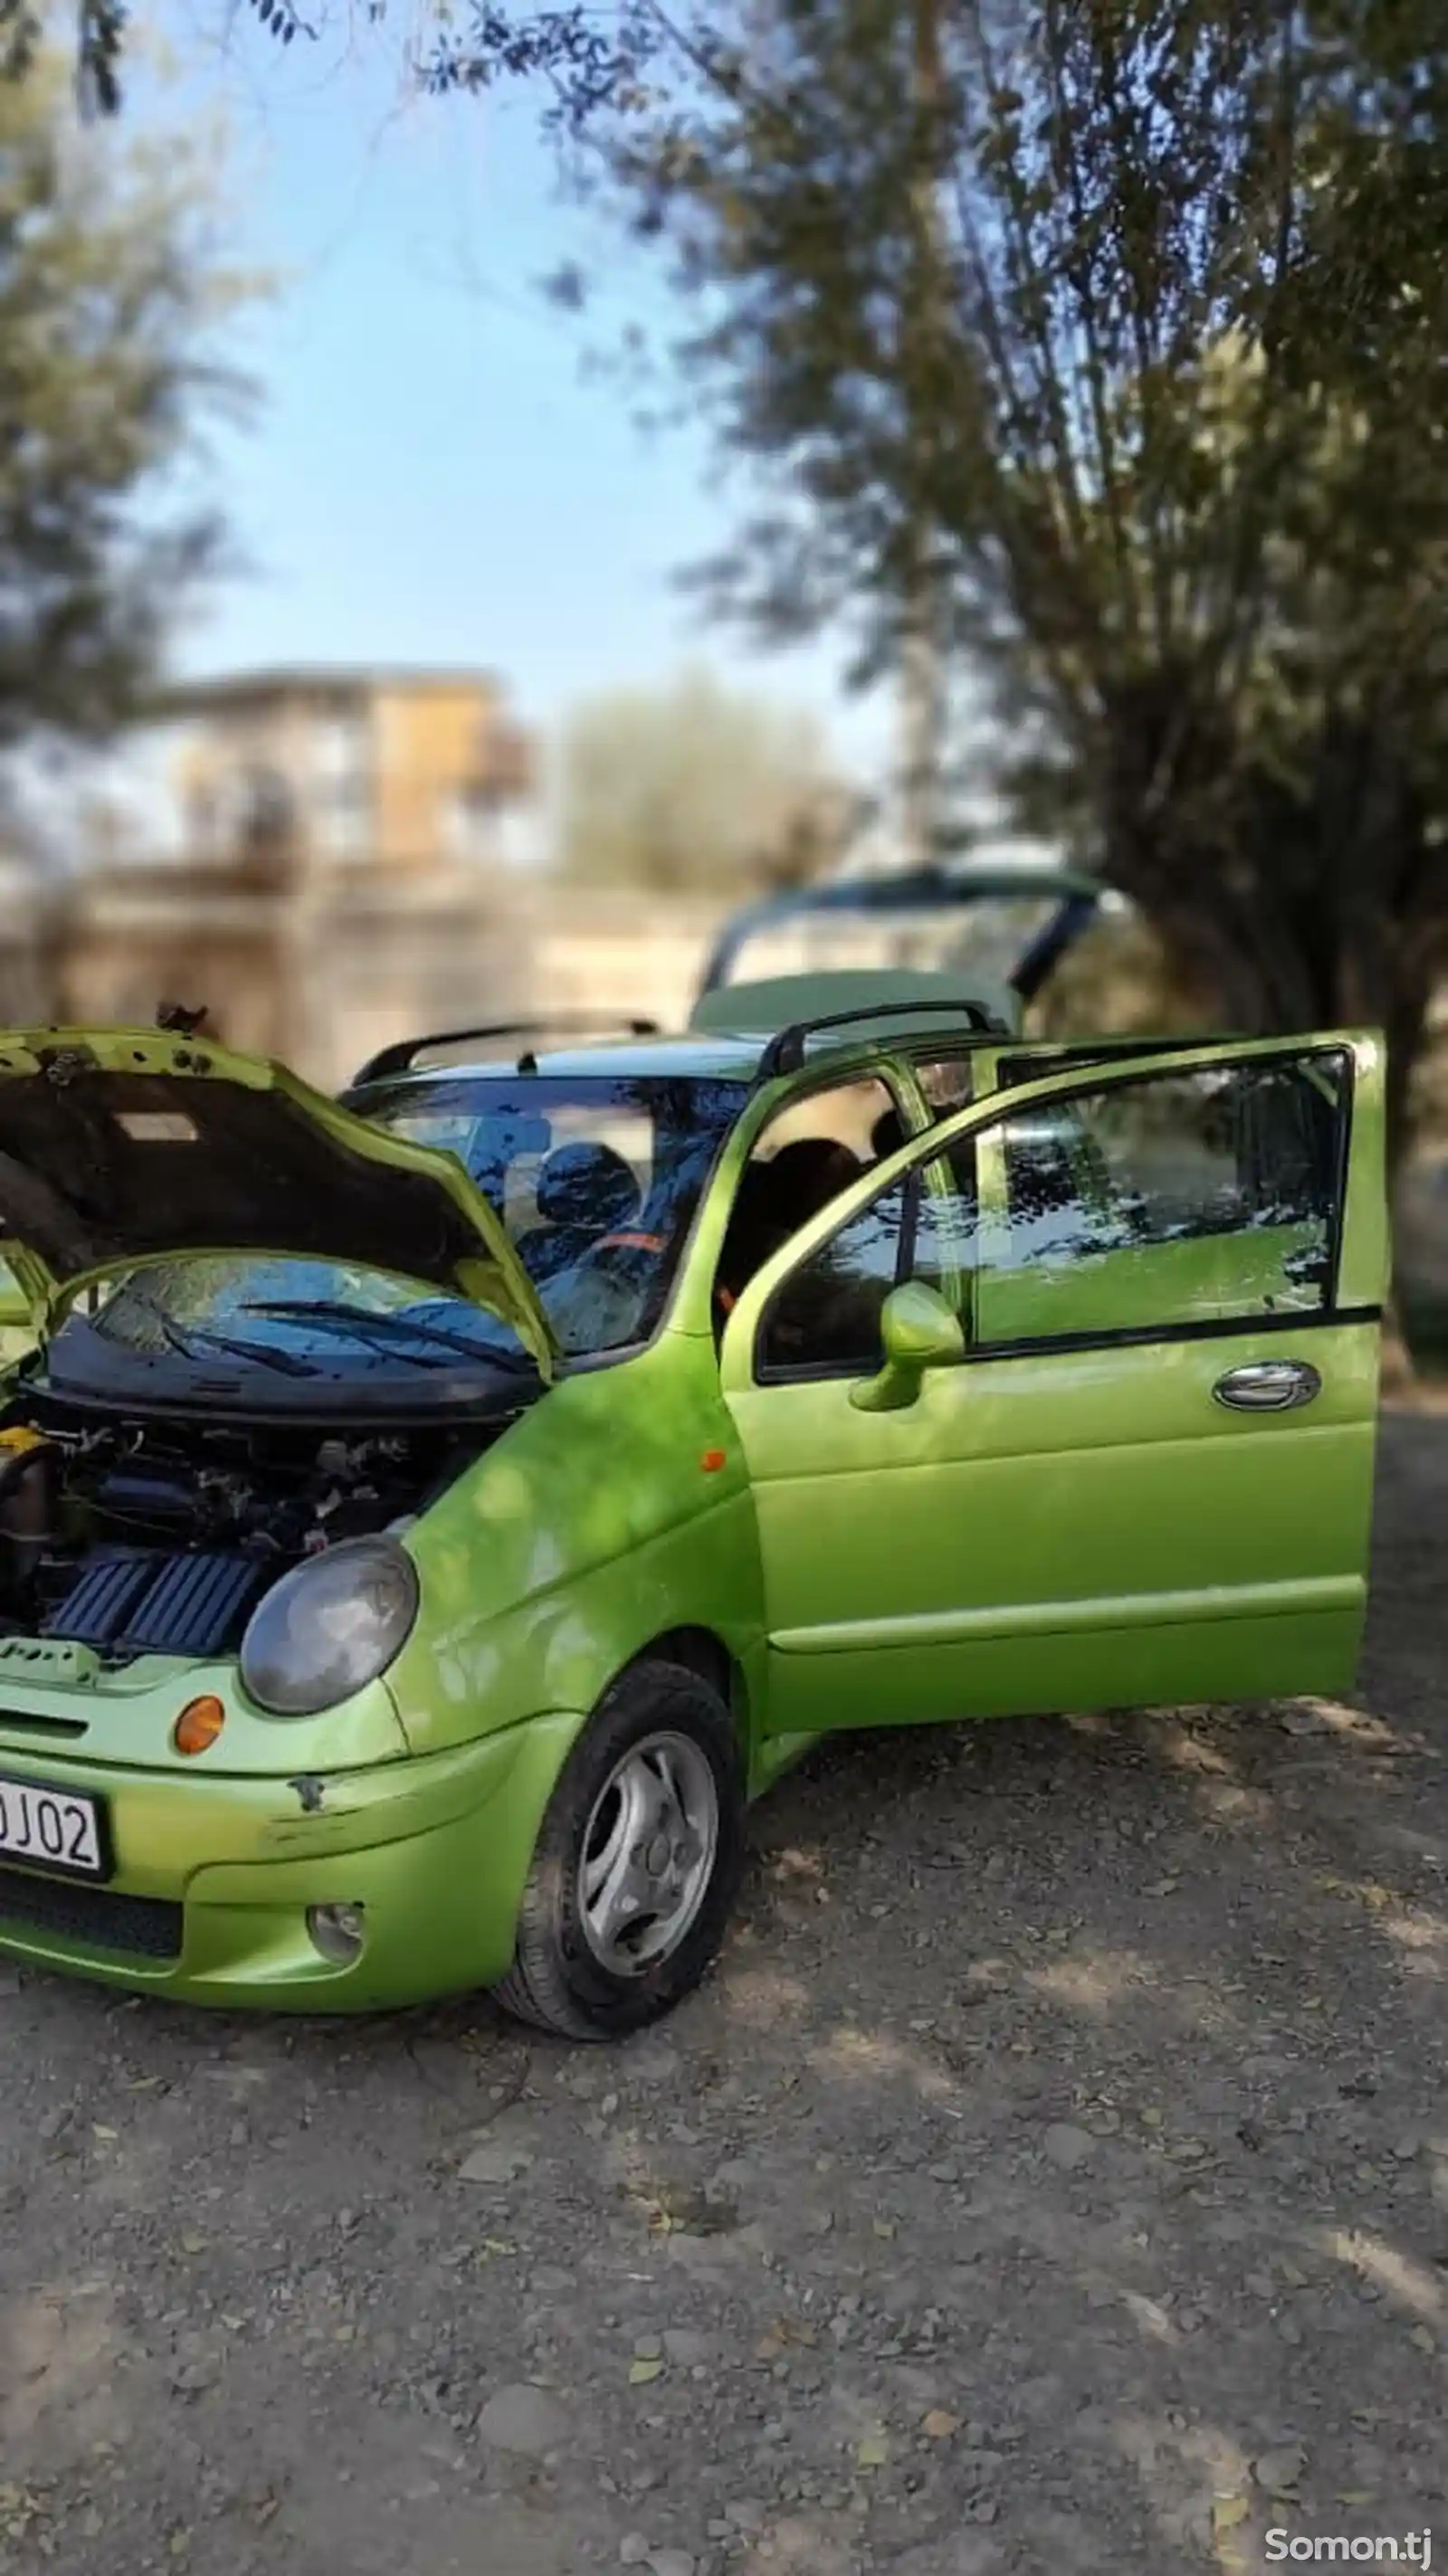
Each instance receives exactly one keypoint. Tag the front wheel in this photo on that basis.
(637, 1864)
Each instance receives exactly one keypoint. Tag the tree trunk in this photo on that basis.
(1271, 975)
(1398, 1375)
(922, 655)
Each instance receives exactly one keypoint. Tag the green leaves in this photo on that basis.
(696, 788)
(1131, 322)
(108, 298)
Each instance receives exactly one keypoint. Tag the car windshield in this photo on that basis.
(596, 1179)
(295, 1318)
(596, 1182)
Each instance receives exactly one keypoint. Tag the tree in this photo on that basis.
(696, 788)
(1154, 357)
(1115, 331)
(109, 293)
(587, 66)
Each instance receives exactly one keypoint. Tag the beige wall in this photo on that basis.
(638, 955)
(383, 959)
(320, 978)
(126, 951)
(26, 988)
(323, 976)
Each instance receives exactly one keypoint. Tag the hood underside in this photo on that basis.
(121, 1146)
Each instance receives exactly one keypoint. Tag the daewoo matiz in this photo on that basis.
(426, 1521)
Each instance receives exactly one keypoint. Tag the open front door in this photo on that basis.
(1146, 1476)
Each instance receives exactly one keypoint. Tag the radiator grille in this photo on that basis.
(138, 1927)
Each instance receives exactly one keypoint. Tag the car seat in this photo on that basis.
(774, 1200)
(887, 1135)
(805, 1176)
(583, 1192)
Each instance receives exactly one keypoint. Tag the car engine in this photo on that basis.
(156, 1536)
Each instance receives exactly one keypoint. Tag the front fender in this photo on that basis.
(601, 1519)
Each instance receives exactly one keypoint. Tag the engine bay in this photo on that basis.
(155, 1535)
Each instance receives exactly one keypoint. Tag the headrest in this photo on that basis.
(816, 1156)
(806, 1175)
(587, 1185)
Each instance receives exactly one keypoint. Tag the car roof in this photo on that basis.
(692, 1058)
(752, 1031)
(699, 1059)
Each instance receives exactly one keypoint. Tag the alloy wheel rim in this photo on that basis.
(648, 1853)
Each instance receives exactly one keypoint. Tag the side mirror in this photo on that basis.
(919, 1332)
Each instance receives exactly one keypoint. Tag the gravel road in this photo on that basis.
(1054, 2178)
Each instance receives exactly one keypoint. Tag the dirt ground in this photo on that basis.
(1053, 2179)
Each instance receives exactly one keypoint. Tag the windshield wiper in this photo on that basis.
(392, 1327)
(186, 1339)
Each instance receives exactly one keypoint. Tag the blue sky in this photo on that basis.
(432, 476)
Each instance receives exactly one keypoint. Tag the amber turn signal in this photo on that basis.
(199, 1724)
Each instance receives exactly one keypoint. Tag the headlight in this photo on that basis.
(329, 1626)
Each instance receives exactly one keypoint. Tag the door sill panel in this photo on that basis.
(1309, 1597)
(1283, 1657)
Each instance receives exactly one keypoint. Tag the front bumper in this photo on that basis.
(214, 1876)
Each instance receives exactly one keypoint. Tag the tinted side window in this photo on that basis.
(1179, 1198)
(827, 1313)
(942, 1248)
(1057, 1188)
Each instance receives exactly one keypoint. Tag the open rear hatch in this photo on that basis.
(983, 923)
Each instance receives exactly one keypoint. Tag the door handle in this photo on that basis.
(1268, 1386)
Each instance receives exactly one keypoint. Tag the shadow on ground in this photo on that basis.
(1055, 2176)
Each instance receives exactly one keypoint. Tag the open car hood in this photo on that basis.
(119, 1146)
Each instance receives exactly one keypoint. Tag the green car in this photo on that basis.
(426, 1521)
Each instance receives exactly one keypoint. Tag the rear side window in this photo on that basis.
(947, 1083)
(827, 1314)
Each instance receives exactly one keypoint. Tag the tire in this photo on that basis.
(658, 1724)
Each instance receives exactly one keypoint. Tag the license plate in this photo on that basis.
(51, 1829)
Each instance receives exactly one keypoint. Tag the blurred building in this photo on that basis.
(326, 868)
(396, 769)
(27, 965)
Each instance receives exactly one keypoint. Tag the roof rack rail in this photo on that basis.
(404, 1052)
(785, 1051)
